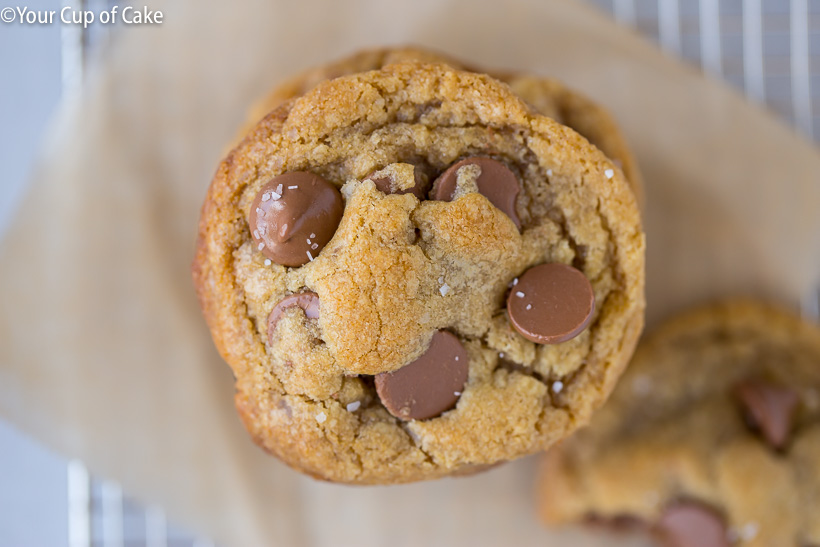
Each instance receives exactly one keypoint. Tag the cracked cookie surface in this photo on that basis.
(715, 427)
(547, 96)
(398, 269)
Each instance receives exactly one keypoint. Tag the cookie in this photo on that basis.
(546, 95)
(377, 346)
(711, 438)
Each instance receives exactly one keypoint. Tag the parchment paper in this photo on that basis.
(104, 355)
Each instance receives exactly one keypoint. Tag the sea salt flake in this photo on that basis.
(749, 531)
(321, 417)
(354, 406)
(641, 385)
(609, 173)
(557, 386)
(444, 289)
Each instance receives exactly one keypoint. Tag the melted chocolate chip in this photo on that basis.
(496, 182)
(387, 185)
(294, 216)
(691, 524)
(428, 386)
(308, 301)
(551, 303)
(770, 408)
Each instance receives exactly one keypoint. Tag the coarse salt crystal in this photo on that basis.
(268, 262)
(609, 173)
(266, 196)
(279, 190)
(321, 417)
(261, 246)
(457, 393)
(354, 406)
(314, 246)
(549, 172)
(275, 195)
(515, 282)
(557, 386)
(641, 385)
(310, 256)
(456, 357)
(260, 212)
(292, 187)
(529, 306)
(519, 294)
(444, 289)
(749, 531)
(312, 235)
(256, 234)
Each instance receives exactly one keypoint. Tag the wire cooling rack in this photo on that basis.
(769, 49)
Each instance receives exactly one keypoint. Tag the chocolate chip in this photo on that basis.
(429, 385)
(496, 182)
(770, 408)
(387, 185)
(294, 216)
(691, 524)
(308, 301)
(551, 303)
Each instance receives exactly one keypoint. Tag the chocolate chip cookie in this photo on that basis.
(412, 274)
(546, 95)
(712, 437)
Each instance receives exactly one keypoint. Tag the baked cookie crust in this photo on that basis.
(547, 96)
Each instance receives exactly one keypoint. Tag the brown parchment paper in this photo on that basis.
(104, 355)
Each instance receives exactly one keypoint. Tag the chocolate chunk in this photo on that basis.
(770, 408)
(385, 183)
(691, 524)
(294, 216)
(308, 301)
(551, 303)
(429, 385)
(496, 182)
